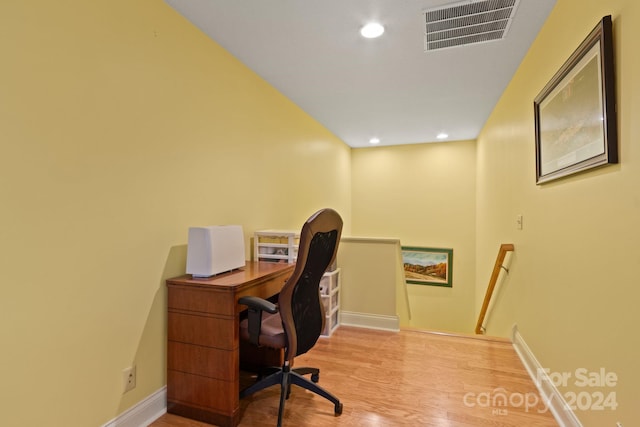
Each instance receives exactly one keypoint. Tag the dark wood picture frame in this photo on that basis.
(575, 113)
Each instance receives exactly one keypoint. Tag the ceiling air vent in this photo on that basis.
(467, 22)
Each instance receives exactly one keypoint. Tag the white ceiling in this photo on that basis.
(312, 52)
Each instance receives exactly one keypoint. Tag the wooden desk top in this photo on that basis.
(236, 280)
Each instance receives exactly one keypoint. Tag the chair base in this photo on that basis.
(286, 377)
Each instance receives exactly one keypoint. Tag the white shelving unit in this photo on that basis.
(330, 295)
(276, 245)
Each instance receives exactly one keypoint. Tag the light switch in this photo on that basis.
(519, 222)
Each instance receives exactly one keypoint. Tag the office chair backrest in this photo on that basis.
(299, 302)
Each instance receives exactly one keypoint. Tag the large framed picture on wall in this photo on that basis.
(575, 113)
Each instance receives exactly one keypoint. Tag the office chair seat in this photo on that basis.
(296, 322)
(271, 333)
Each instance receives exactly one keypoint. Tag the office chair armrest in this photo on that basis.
(256, 307)
(258, 303)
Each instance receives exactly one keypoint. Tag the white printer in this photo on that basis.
(215, 249)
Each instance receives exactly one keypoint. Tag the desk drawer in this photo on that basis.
(200, 300)
(203, 330)
(203, 361)
(194, 390)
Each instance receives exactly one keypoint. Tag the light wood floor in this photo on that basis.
(409, 378)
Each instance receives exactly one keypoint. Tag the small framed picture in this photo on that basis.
(427, 266)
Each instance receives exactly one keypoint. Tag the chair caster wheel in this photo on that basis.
(338, 409)
(315, 377)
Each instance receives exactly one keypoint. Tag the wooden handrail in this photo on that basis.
(504, 248)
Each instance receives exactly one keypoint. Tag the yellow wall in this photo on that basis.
(573, 288)
(121, 126)
(424, 195)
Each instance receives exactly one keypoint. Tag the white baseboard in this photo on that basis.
(371, 321)
(550, 394)
(144, 412)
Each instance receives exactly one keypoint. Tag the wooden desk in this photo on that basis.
(203, 339)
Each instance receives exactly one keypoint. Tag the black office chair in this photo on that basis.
(296, 322)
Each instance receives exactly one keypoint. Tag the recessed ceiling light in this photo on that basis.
(372, 30)
(374, 140)
(442, 135)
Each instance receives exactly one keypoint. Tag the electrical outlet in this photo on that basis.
(129, 378)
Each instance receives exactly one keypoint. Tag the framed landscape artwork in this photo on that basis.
(427, 266)
(575, 113)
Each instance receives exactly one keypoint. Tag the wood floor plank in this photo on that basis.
(410, 378)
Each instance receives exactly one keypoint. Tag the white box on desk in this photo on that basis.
(215, 249)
